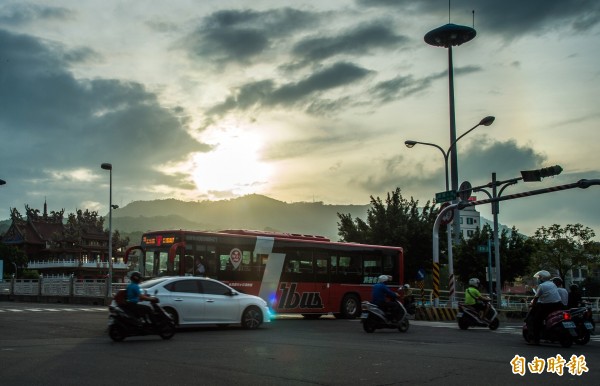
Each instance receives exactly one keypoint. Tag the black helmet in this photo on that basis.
(557, 280)
(135, 277)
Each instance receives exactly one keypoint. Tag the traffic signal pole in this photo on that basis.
(582, 184)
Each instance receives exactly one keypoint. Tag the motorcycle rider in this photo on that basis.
(575, 297)
(380, 294)
(546, 300)
(475, 299)
(135, 295)
(564, 294)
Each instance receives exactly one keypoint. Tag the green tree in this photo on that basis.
(395, 222)
(515, 255)
(10, 255)
(561, 249)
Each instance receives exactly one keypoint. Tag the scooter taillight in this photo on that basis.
(566, 316)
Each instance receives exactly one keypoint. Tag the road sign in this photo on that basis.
(448, 195)
(420, 274)
(482, 248)
(465, 190)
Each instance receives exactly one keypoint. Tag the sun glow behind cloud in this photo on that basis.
(234, 166)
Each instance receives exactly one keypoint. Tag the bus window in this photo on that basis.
(350, 269)
(298, 266)
(372, 269)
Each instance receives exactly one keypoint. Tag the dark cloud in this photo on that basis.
(16, 14)
(510, 19)
(238, 36)
(52, 121)
(359, 41)
(405, 85)
(265, 93)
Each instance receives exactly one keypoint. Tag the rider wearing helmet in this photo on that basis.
(380, 296)
(475, 299)
(564, 294)
(546, 300)
(135, 295)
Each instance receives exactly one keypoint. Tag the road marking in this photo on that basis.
(93, 309)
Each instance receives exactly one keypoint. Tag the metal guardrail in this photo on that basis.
(96, 288)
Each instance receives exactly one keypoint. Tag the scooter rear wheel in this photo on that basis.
(116, 333)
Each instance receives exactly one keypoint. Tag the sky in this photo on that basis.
(300, 101)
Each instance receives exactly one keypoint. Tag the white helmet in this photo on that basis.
(474, 282)
(542, 275)
(406, 286)
(383, 278)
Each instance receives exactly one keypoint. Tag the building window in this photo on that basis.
(469, 220)
(470, 233)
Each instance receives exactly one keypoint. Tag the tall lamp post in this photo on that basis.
(487, 121)
(107, 166)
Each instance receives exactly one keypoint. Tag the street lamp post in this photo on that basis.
(487, 121)
(107, 166)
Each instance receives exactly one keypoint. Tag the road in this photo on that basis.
(60, 344)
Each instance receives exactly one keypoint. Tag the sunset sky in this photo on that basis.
(297, 100)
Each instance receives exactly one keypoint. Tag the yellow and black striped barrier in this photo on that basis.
(435, 314)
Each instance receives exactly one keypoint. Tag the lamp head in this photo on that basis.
(487, 121)
(410, 144)
(106, 166)
(2, 182)
(115, 206)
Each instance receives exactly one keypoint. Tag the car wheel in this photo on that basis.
(252, 318)
(351, 307)
(116, 333)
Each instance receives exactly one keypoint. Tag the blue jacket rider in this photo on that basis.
(380, 294)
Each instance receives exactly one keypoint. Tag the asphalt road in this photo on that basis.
(60, 344)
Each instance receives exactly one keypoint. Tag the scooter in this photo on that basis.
(122, 323)
(373, 317)
(584, 323)
(468, 316)
(558, 327)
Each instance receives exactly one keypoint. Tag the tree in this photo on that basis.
(395, 222)
(515, 255)
(12, 256)
(561, 249)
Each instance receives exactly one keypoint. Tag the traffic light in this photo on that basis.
(537, 175)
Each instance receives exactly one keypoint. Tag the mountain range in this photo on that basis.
(253, 211)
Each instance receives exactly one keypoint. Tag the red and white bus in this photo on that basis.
(294, 273)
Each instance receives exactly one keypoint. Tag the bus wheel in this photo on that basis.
(350, 307)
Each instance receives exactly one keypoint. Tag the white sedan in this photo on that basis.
(193, 301)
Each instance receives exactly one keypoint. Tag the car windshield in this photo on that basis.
(153, 282)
